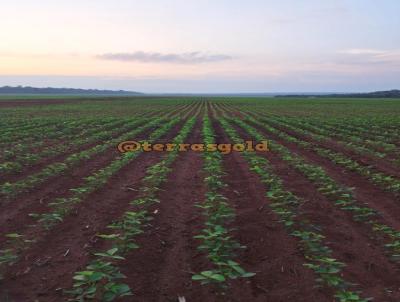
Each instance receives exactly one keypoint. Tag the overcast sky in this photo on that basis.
(202, 46)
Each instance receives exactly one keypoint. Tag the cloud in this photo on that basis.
(369, 56)
(362, 51)
(155, 57)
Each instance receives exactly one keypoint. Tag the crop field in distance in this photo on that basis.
(314, 218)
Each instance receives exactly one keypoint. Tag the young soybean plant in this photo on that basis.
(86, 284)
(286, 205)
(101, 280)
(216, 237)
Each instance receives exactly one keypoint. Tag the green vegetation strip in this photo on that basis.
(216, 237)
(41, 128)
(63, 206)
(89, 135)
(102, 280)
(11, 135)
(10, 190)
(63, 134)
(341, 196)
(376, 142)
(387, 182)
(65, 129)
(349, 141)
(287, 205)
(378, 129)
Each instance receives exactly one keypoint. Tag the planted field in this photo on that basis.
(316, 217)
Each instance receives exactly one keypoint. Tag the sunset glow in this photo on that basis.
(257, 46)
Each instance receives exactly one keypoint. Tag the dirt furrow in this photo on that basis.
(270, 252)
(381, 165)
(28, 170)
(48, 265)
(364, 191)
(14, 214)
(372, 270)
(160, 270)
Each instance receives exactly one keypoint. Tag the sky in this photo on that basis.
(202, 46)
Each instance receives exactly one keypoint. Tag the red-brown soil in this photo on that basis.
(270, 252)
(160, 270)
(371, 269)
(37, 167)
(14, 215)
(380, 165)
(43, 268)
(364, 190)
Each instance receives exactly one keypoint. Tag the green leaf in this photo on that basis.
(248, 275)
(198, 277)
(13, 235)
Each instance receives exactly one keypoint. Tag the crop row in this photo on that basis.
(40, 129)
(217, 240)
(378, 139)
(350, 141)
(69, 129)
(387, 182)
(75, 137)
(12, 134)
(341, 196)
(101, 279)
(69, 142)
(375, 149)
(62, 206)
(9, 190)
(47, 136)
(287, 206)
(385, 130)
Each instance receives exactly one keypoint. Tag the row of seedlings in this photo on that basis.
(11, 190)
(387, 182)
(63, 206)
(288, 208)
(216, 236)
(340, 195)
(101, 280)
